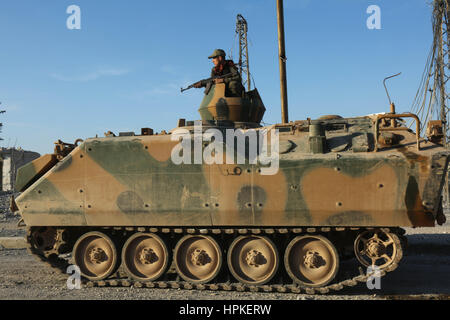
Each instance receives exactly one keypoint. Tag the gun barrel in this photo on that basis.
(205, 82)
(190, 87)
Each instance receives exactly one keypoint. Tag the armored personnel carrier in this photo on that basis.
(173, 210)
(343, 189)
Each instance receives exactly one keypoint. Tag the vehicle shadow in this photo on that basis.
(424, 270)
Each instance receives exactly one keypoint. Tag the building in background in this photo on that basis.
(12, 159)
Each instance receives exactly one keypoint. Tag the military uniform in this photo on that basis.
(234, 87)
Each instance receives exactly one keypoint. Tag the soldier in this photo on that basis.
(222, 67)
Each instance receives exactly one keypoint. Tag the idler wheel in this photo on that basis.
(96, 256)
(311, 260)
(145, 257)
(376, 248)
(198, 258)
(253, 259)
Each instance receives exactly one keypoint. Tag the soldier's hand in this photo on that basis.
(216, 81)
(197, 85)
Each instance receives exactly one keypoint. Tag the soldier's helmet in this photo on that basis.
(217, 53)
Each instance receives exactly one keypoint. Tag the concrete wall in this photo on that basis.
(13, 159)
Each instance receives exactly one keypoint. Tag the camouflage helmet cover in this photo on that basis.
(216, 53)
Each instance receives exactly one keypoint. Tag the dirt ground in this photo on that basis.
(422, 274)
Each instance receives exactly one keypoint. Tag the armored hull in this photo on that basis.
(132, 181)
(342, 189)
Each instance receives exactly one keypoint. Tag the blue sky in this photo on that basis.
(123, 70)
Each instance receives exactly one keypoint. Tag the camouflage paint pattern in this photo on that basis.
(132, 181)
(216, 106)
(33, 170)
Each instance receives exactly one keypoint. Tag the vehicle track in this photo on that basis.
(171, 280)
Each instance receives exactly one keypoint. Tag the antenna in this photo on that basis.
(384, 83)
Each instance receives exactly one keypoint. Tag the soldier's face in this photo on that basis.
(217, 60)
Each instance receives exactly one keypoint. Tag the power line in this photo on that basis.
(431, 99)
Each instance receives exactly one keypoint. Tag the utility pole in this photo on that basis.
(441, 64)
(244, 65)
(282, 62)
(431, 100)
(442, 72)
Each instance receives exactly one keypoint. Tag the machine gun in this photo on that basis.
(207, 83)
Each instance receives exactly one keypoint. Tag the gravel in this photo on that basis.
(422, 274)
(8, 220)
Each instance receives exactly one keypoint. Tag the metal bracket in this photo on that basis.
(394, 116)
(21, 223)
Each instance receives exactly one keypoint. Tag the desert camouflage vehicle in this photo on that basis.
(129, 215)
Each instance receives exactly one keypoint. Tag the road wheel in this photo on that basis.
(198, 258)
(253, 259)
(311, 260)
(96, 256)
(145, 257)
